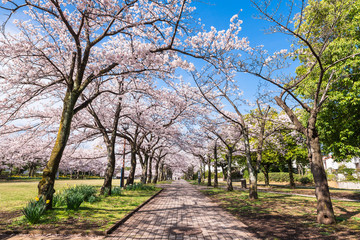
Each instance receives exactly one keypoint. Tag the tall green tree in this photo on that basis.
(322, 46)
(339, 119)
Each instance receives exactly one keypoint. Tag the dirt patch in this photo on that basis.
(6, 218)
(70, 225)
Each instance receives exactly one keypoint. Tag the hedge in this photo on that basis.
(284, 177)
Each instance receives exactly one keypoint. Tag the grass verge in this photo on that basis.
(277, 216)
(300, 189)
(90, 218)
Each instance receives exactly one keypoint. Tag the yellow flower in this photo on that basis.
(36, 199)
(47, 201)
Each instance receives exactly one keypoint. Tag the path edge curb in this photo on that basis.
(124, 219)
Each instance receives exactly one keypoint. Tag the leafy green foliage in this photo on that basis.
(34, 210)
(284, 177)
(73, 197)
(74, 200)
(86, 190)
(348, 173)
(94, 199)
(333, 30)
(59, 200)
(139, 186)
(305, 180)
(116, 191)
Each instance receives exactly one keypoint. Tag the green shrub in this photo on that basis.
(86, 190)
(93, 199)
(276, 177)
(73, 197)
(59, 200)
(106, 191)
(74, 200)
(331, 177)
(305, 180)
(116, 191)
(139, 186)
(261, 177)
(284, 177)
(34, 210)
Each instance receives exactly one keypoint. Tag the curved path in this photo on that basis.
(181, 212)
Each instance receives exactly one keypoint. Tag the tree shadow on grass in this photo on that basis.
(347, 215)
(273, 218)
(268, 226)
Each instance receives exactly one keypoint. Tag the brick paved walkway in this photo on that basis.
(181, 212)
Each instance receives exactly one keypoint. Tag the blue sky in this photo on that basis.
(217, 13)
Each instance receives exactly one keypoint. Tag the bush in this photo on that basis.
(74, 200)
(116, 191)
(331, 177)
(305, 180)
(73, 197)
(93, 199)
(276, 177)
(284, 177)
(86, 190)
(59, 200)
(139, 186)
(34, 210)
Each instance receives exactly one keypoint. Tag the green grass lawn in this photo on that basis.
(15, 195)
(97, 216)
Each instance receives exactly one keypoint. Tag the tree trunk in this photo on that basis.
(163, 173)
(252, 174)
(209, 171)
(215, 168)
(224, 172)
(106, 187)
(156, 171)
(144, 169)
(291, 175)
(300, 169)
(32, 171)
(150, 170)
(266, 174)
(169, 174)
(161, 177)
(131, 177)
(46, 184)
(325, 212)
(229, 180)
(204, 170)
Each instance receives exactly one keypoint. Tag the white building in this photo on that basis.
(330, 164)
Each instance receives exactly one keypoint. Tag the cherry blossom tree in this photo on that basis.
(67, 46)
